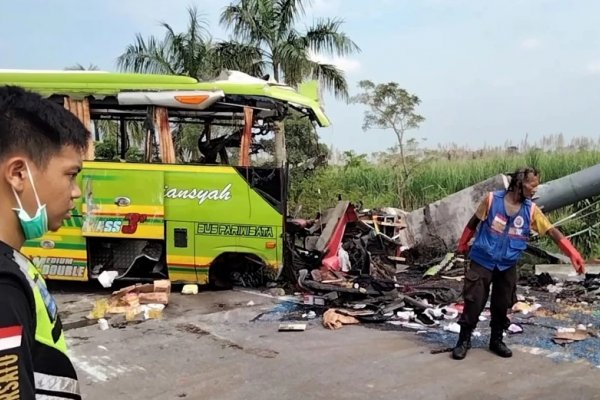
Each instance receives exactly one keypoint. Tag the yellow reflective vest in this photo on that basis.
(54, 374)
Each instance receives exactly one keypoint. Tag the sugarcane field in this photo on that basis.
(302, 199)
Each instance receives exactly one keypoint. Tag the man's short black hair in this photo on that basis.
(37, 127)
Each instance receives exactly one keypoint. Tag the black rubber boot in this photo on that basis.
(497, 345)
(463, 345)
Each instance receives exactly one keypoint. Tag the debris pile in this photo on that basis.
(146, 300)
(353, 267)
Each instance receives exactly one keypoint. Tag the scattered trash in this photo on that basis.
(107, 278)
(189, 289)
(525, 308)
(103, 324)
(332, 319)
(133, 300)
(276, 292)
(514, 328)
(152, 311)
(569, 337)
(310, 299)
(439, 351)
(250, 303)
(405, 315)
(452, 327)
(292, 327)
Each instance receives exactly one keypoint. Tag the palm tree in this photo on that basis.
(192, 52)
(269, 26)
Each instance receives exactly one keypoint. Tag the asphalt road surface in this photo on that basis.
(216, 345)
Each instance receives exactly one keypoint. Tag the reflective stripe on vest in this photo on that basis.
(45, 306)
(51, 383)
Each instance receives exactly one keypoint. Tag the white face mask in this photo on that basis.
(36, 226)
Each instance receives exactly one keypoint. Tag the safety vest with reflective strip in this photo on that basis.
(54, 375)
(502, 238)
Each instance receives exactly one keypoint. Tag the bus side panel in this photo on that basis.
(181, 251)
(212, 198)
(122, 202)
(60, 255)
(267, 237)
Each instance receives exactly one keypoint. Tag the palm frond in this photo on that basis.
(151, 56)
(325, 36)
(241, 19)
(286, 13)
(240, 57)
(332, 78)
(294, 60)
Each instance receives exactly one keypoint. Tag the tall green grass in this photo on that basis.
(384, 185)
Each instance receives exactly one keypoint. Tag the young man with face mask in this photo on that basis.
(41, 148)
(506, 218)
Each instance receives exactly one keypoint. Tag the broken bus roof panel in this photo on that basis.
(99, 83)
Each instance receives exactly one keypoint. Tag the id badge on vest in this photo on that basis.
(499, 223)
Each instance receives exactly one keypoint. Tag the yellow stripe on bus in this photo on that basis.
(65, 231)
(189, 260)
(67, 278)
(56, 253)
(201, 278)
(152, 211)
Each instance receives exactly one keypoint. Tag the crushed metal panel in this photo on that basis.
(330, 240)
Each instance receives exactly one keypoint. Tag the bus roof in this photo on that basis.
(99, 84)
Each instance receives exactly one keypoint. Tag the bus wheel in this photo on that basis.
(237, 269)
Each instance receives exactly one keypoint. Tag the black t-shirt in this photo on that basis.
(17, 338)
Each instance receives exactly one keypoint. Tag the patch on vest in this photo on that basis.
(9, 377)
(499, 223)
(519, 222)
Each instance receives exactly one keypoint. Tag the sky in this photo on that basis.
(487, 72)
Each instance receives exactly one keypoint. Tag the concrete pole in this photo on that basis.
(569, 189)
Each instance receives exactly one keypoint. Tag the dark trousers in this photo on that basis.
(476, 291)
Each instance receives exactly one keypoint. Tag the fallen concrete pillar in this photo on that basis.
(569, 189)
(440, 224)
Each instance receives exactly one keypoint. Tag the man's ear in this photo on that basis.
(15, 172)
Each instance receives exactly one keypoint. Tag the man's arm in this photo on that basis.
(469, 231)
(16, 342)
(543, 226)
